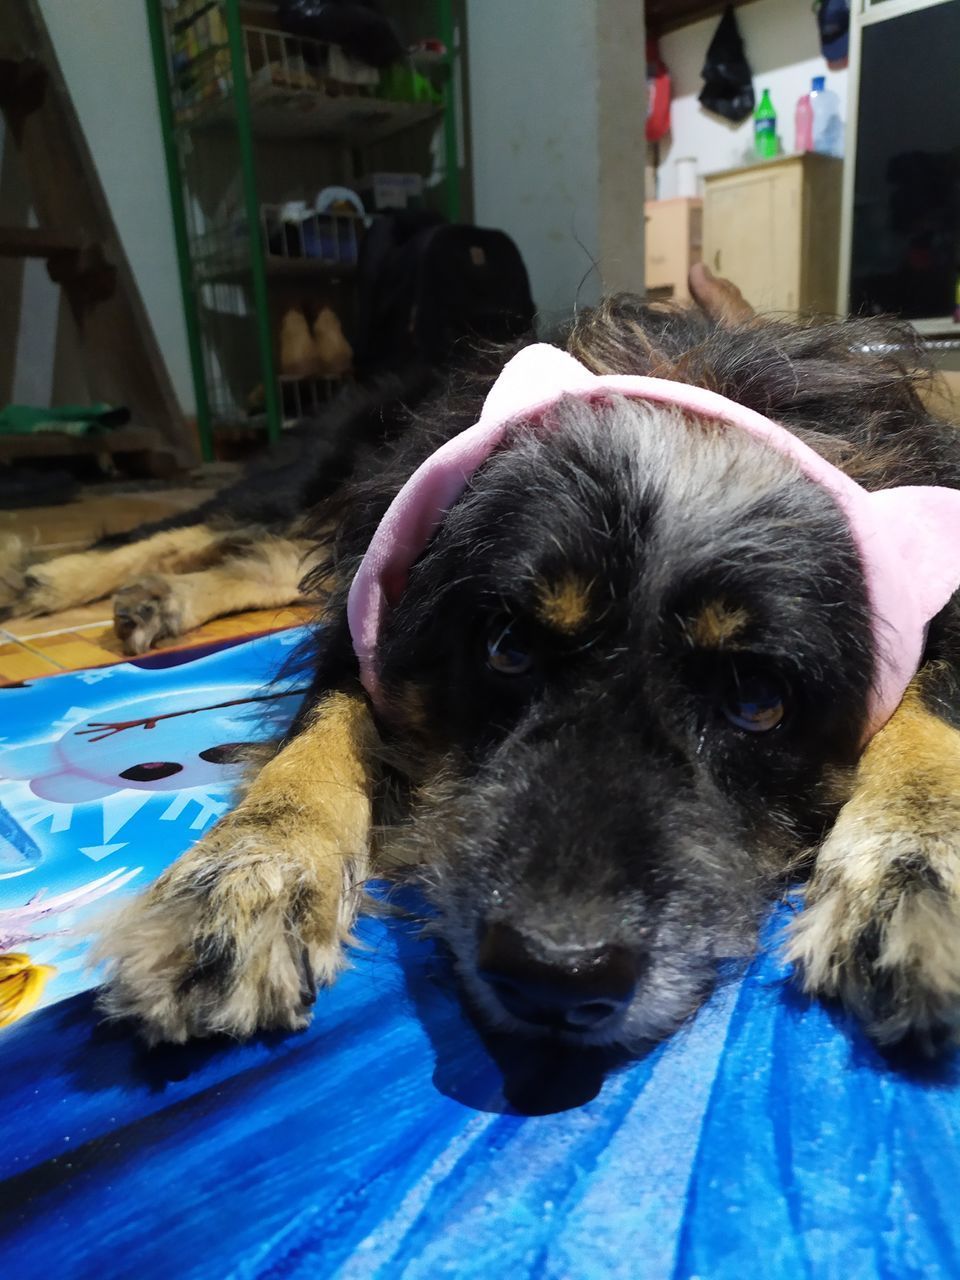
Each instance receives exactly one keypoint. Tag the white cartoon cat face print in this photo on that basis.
(144, 744)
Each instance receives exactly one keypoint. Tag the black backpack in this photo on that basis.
(430, 290)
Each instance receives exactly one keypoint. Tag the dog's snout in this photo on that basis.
(572, 990)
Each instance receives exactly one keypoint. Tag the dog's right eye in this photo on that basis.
(756, 702)
(507, 655)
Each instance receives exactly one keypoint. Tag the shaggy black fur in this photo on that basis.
(310, 464)
(603, 794)
(606, 800)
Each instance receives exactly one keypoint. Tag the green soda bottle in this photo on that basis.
(765, 128)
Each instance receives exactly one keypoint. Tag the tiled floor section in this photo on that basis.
(43, 646)
(81, 638)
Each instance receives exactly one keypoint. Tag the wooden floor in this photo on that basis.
(81, 638)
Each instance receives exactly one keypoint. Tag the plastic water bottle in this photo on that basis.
(765, 128)
(827, 125)
(803, 125)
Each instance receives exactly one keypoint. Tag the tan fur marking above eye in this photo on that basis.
(716, 624)
(564, 605)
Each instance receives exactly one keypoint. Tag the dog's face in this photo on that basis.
(632, 668)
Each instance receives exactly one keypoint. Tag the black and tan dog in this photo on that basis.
(621, 703)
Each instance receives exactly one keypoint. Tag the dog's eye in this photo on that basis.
(507, 655)
(757, 703)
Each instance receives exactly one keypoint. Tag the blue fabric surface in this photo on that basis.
(765, 1140)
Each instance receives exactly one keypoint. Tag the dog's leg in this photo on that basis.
(68, 581)
(881, 926)
(235, 935)
(159, 607)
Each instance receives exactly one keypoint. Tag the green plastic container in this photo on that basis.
(765, 128)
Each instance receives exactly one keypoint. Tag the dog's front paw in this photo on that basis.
(232, 939)
(881, 932)
(145, 612)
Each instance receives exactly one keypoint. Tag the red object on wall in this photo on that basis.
(658, 94)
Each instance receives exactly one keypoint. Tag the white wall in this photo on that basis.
(783, 49)
(540, 133)
(104, 52)
(533, 108)
(557, 117)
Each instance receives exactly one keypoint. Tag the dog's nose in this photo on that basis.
(571, 990)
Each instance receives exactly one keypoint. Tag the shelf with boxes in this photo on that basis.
(297, 241)
(296, 86)
(261, 125)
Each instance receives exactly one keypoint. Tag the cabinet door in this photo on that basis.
(752, 236)
(666, 247)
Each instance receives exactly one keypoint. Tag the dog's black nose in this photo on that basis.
(571, 990)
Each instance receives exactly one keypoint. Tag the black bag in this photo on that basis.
(427, 287)
(728, 80)
(356, 26)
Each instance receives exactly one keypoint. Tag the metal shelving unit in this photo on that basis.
(253, 119)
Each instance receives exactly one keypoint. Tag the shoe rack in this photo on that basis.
(257, 125)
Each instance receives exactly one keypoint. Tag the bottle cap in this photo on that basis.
(819, 84)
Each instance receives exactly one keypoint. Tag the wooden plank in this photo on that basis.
(14, 208)
(52, 444)
(37, 242)
(121, 356)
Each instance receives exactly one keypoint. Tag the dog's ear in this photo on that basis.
(717, 298)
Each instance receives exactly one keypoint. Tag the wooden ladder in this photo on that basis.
(77, 238)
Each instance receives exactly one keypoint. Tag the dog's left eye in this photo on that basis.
(757, 703)
(507, 655)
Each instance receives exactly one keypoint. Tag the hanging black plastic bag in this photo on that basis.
(728, 87)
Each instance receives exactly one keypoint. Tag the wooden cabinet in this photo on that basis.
(672, 245)
(774, 230)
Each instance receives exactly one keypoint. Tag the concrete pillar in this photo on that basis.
(558, 102)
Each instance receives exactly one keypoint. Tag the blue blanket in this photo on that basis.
(765, 1140)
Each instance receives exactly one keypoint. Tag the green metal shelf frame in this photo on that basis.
(188, 291)
(248, 172)
(245, 136)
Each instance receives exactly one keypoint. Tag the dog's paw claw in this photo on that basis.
(145, 612)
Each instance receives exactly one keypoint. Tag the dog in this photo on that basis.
(244, 548)
(615, 691)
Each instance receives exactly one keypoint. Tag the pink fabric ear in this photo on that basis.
(908, 539)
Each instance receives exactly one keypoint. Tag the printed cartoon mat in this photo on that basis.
(765, 1140)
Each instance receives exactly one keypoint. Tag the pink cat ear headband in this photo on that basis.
(908, 538)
